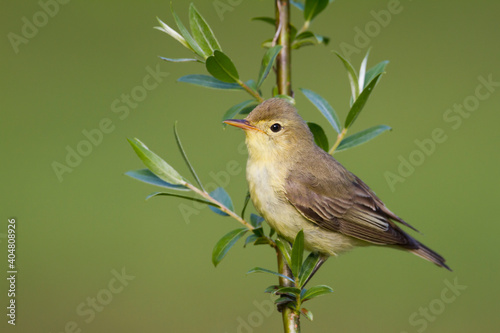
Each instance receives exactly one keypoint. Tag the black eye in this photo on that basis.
(275, 127)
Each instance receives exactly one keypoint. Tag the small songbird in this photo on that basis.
(295, 185)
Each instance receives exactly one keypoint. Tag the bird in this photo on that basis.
(295, 185)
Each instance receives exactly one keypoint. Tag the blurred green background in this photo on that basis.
(76, 235)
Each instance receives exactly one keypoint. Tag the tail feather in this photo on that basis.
(426, 253)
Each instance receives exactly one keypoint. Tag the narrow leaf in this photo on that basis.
(313, 7)
(324, 107)
(193, 45)
(225, 244)
(256, 220)
(236, 109)
(179, 145)
(221, 67)
(316, 291)
(250, 239)
(362, 137)
(271, 288)
(285, 249)
(297, 4)
(265, 19)
(319, 136)
(353, 78)
(293, 291)
(166, 29)
(308, 267)
(297, 253)
(263, 270)
(208, 81)
(268, 63)
(180, 59)
(155, 194)
(146, 176)
(374, 71)
(307, 313)
(221, 196)
(360, 102)
(202, 32)
(156, 164)
(362, 71)
(247, 200)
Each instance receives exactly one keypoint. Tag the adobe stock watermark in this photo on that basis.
(222, 6)
(31, 26)
(365, 35)
(121, 108)
(263, 309)
(221, 178)
(453, 117)
(425, 315)
(89, 309)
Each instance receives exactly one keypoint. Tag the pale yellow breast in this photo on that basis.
(265, 182)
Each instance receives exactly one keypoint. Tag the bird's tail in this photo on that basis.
(426, 253)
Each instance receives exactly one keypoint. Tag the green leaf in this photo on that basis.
(272, 21)
(313, 7)
(353, 78)
(319, 136)
(285, 249)
(156, 194)
(174, 34)
(221, 196)
(271, 288)
(297, 4)
(202, 32)
(146, 176)
(236, 109)
(221, 67)
(180, 59)
(208, 81)
(297, 253)
(360, 102)
(263, 270)
(316, 291)
(362, 71)
(317, 39)
(324, 107)
(267, 63)
(308, 267)
(287, 98)
(374, 71)
(179, 145)
(307, 313)
(292, 291)
(156, 164)
(193, 45)
(225, 244)
(247, 199)
(362, 137)
(256, 220)
(284, 300)
(250, 239)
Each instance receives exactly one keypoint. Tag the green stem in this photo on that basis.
(340, 137)
(221, 206)
(250, 91)
(291, 318)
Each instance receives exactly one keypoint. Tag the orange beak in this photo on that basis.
(241, 123)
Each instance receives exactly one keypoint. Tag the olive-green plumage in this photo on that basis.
(296, 185)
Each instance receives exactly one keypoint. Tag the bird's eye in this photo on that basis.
(276, 127)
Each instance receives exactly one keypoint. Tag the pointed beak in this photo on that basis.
(241, 123)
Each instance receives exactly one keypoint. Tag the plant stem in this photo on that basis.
(283, 61)
(291, 318)
(340, 137)
(221, 206)
(251, 91)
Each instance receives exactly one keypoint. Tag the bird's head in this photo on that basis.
(273, 129)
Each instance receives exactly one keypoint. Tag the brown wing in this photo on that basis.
(343, 203)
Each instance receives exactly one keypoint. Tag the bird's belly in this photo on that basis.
(268, 197)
